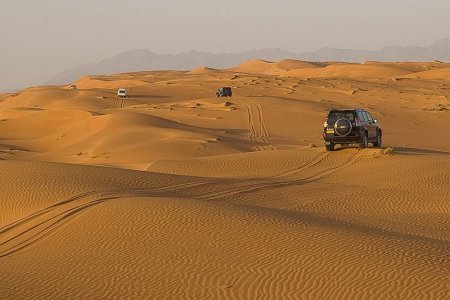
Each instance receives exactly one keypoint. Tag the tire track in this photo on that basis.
(36, 226)
(118, 102)
(350, 161)
(258, 129)
(268, 183)
(264, 131)
(30, 229)
(312, 163)
(253, 133)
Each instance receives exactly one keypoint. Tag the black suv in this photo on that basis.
(224, 92)
(351, 126)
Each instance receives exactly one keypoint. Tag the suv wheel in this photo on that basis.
(364, 143)
(330, 147)
(377, 143)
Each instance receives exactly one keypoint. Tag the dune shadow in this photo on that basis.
(96, 113)
(408, 150)
(28, 108)
(334, 223)
(402, 150)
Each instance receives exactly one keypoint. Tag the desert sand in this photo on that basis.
(173, 193)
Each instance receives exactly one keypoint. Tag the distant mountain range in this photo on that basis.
(142, 60)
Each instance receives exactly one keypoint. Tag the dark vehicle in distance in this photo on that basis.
(351, 126)
(224, 92)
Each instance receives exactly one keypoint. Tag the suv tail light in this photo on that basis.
(357, 122)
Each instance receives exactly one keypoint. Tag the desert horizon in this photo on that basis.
(135, 60)
(172, 192)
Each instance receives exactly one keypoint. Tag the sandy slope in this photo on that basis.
(232, 199)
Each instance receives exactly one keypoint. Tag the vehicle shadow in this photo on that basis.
(342, 148)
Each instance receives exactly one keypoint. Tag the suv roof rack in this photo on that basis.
(339, 109)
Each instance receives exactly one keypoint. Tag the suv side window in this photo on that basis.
(361, 116)
(368, 116)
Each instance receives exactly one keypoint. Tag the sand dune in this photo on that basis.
(433, 74)
(354, 71)
(174, 193)
(203, 70)
(257, 66)
(366, 70)
(275, 68)
(291, 64)
(3, 96)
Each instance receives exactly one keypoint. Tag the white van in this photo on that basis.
(122, 93)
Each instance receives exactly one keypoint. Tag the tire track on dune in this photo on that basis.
(258, 129)
(253, 132)
(350, 161)
(32, 228)
(36, 226)
(118, 103)
(264, 133)
(317, 159)
(268, 183)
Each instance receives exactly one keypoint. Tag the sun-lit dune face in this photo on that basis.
(351, 71)
(275, 68)
(3, 96)
(172, 192)
(203, 70)
(291, 64)
(438, 74)
(176, 114)
(253, 66)
(411, 67)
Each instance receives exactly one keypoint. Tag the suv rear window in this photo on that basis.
(333, 116)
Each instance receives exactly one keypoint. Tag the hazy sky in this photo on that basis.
(42, 37)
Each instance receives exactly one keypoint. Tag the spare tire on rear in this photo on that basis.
(343, 127)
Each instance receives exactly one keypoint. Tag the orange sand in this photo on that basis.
(174, 193)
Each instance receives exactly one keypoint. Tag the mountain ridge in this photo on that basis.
(143, 60)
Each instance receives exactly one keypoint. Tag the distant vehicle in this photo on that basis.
(351, 126)
(224, 92)
(72, 87)
(122, 93)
